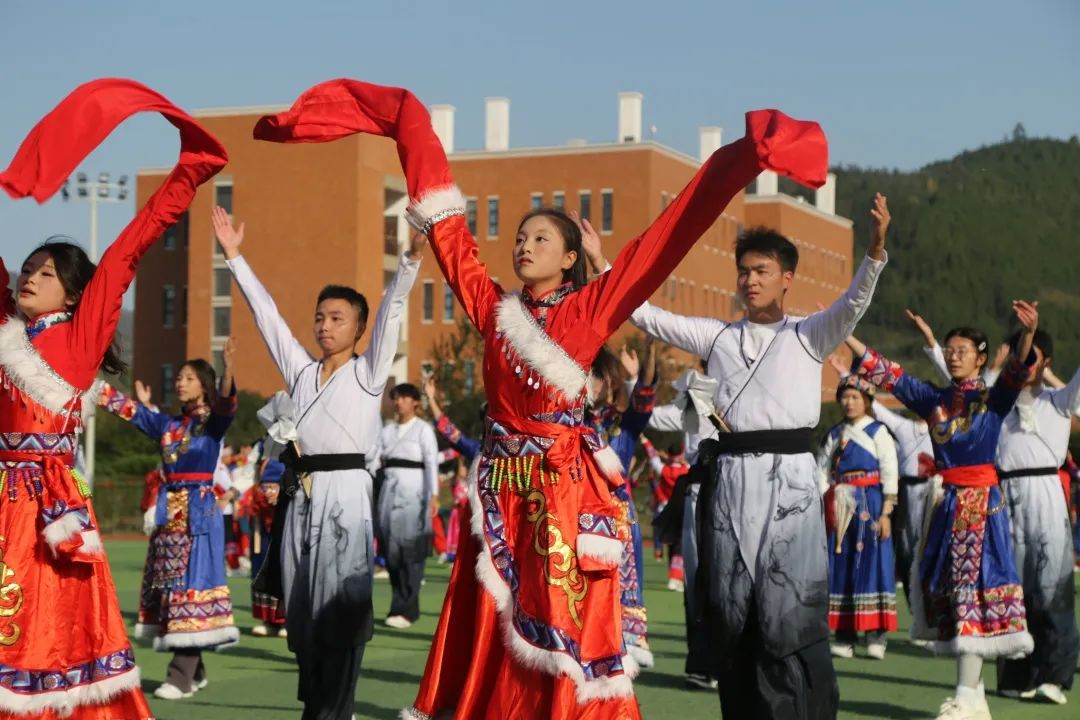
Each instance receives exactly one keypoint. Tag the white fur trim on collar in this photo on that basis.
(64, 702)
(423, 209)
(540, 352)
(24, 368)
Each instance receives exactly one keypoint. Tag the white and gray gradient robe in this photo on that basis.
(327, 539)
(912, 439)
(768, 546)
(405, 498)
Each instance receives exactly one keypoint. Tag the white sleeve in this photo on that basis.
(897, 423)
(429, 449)
(288, 354)
(667, 418)
(384, 335)
(937, 359)
(824, 462)
(888, 466)
(695, 335)
(826, 329)
(990, 376)
(1067, 399)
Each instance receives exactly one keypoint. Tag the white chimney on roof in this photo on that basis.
(630, 117)
(442, 121)
(768, 183)
(709, 141)
(497, 123)
(825, 196)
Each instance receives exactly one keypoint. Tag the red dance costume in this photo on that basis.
(64, 651)
(531, 624)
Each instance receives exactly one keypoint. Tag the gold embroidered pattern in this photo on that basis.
(176, 511)
(561, 567)
(11, 601)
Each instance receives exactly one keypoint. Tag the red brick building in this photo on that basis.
(319, 214)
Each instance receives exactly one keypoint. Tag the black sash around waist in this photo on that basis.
(402, 463)
(1026, 472)
(781, 442)
(301, 464)
(912, 480)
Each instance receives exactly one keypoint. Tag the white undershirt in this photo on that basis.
(757, 338)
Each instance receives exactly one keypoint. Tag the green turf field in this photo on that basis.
(257, 679)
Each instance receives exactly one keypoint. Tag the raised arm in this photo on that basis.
(287, 352)
(826, 329)
(384, 336)
(467, 446)
(1008, 385)
(773, 141)
(52, 151)
(224, 408)
(919, 396)
(150, 422)
(339, 108)
(1067, 397)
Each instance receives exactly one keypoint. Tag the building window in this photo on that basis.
(387, 278)
(217, 357)
(470, 215)
(223, 194)
(168, 306)
(607, 210)
(222, 321)
(168, 382)
(493, 217)
(536, 201)
(468, 368)
(448, 303)
(585, 204)
(176, 231)
(222, 282)
(558, 200)
(390, 239)
(429, 301)
(671, 288)
(183, 308)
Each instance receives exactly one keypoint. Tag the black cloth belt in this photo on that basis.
(300, 464)
(1028, 472)
(401, 463)
(912, 480)
(781, 442)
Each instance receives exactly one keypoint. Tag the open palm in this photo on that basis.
(230, 238)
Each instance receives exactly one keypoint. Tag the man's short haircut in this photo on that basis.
(405, 390)
(768, 242)
(349, 295)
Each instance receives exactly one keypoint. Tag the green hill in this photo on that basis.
(971, 234)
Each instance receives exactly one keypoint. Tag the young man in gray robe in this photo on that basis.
(327, 535)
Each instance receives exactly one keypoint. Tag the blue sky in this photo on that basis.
(894, 84)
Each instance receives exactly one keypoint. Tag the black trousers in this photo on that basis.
(186, 669)
(1056, 646)
(405, 579)
(328, 677)
(756, 685)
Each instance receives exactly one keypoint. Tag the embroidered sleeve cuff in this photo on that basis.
(879, 370)
(644, 398)
(226, 404)
(1015, 373)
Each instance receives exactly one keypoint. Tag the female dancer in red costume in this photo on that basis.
(534, 597)
(64, 652)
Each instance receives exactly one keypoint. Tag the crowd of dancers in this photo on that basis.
(786, 552)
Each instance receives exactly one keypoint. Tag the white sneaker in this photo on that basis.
(952, 709)
(1051, 693)
(168, 691)
(260, 630)
(398, 621)
(842, 651)
(876, 650)
(924, 644)
(282, 632)
(381, 573)
(676, 585)
(200, 684)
